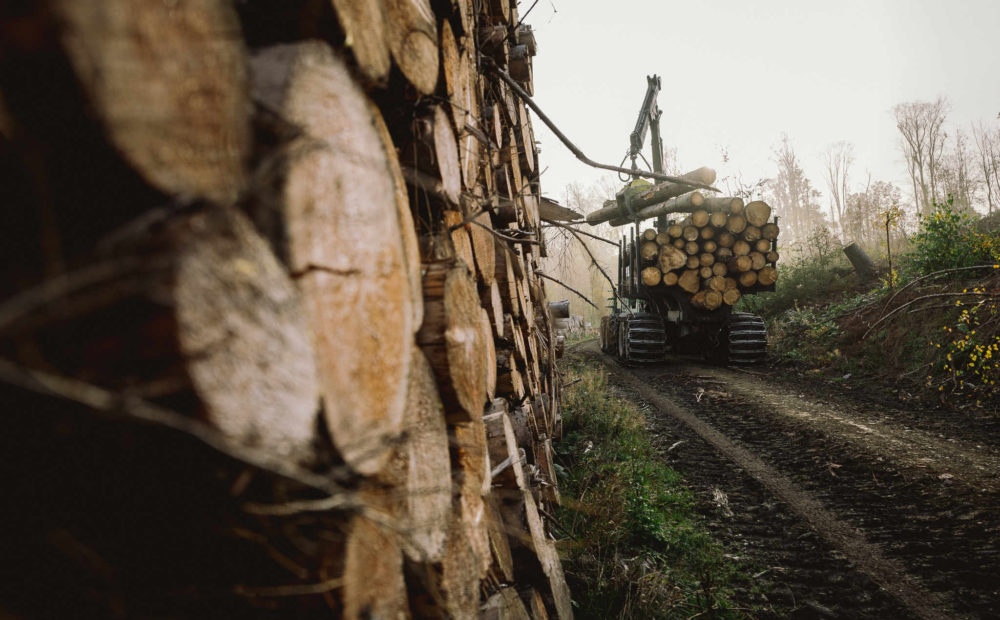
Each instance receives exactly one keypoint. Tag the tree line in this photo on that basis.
(943, 164)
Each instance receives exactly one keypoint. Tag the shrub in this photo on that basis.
(948, 239)
(801, 283)
(969, 361)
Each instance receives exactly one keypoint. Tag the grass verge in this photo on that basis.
(635, 547)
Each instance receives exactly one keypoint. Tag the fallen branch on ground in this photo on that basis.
(913, 301)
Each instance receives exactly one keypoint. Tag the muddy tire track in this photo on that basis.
(842, 529)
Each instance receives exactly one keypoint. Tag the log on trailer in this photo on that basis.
(653, 195)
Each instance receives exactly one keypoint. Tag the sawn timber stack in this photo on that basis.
(263, 352)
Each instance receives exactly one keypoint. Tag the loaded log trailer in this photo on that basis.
(678, 281)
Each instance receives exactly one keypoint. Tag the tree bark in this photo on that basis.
(657, 193)
(680, 204)
(860, 261)
(723, 204)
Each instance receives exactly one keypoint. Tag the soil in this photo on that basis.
(845, 505)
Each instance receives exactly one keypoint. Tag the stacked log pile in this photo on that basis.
(720, 251)
(271, 330)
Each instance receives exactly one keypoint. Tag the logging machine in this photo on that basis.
(677, 282)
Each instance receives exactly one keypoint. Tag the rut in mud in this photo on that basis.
(851, 509)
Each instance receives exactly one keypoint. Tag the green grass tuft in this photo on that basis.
(636, 547)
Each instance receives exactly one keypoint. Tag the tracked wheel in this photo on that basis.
(742, 341)
(643, 339)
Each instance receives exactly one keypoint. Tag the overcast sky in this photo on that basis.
(738, 74)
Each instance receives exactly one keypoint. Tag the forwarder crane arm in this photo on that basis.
(649, 120)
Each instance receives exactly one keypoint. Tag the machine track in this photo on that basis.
(742, 341)
(641, 338)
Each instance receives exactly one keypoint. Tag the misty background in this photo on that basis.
(838, 114)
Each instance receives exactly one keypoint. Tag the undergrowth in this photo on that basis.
(930, 328)
(635, 547)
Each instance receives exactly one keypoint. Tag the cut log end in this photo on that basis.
(451, 337)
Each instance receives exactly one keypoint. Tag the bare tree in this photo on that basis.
(570, 263)
(838, 158)
(956, 174)
(988, 148)
(793, 196)
(921, 125)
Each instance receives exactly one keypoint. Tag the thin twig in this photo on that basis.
(556, 523)
(502, 236)
(566, 286)
(54, 289)
(118, 405)
(593, 261)
(514, 86)
(298, 507)
(291, 590)
(426, 182)
(937, 307)
(933, 296)
(587, 234)
(917, 369)
(931, 275)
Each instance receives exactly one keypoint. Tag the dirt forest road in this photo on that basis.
(854, 508)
